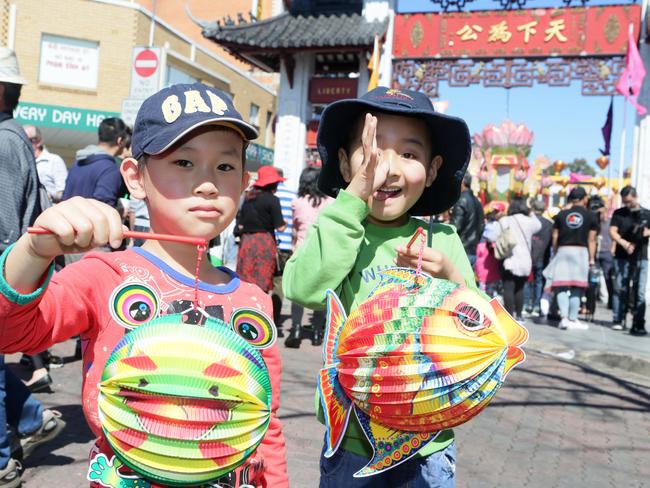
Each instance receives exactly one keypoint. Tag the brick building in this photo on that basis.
(79, 57)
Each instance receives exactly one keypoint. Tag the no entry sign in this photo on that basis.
(145, 72)
(146, 63)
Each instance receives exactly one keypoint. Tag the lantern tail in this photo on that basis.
(396, 446)
(336, 408)
(334, 323)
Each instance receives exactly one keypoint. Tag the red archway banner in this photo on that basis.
(566, 32)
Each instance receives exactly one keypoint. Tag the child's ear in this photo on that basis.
(132, 175)
(245, 180)
(433, 169)
(344, 165)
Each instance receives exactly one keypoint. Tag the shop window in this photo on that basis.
(254, 115)
(176, 75)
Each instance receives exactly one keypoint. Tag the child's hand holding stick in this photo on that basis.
(434, 262)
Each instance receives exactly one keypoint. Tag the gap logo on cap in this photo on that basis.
(193, 102)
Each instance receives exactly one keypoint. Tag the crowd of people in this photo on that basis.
(560, 261)
(183, 172)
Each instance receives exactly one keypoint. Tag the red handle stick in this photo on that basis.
(419, 232)
(197, 241)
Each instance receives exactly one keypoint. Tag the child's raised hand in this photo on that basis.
(77, 225)
(434, 263)
(373, 172)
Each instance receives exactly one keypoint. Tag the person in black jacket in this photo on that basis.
(467, 216)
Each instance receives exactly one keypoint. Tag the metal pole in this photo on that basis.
(623, 138)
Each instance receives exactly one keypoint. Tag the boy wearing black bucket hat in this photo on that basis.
(387, 156)
(188, 164)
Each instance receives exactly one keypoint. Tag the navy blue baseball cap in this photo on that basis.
(173, 112)
(449, 138)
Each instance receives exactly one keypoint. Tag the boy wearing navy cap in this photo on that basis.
(188, 165)
(386, 157)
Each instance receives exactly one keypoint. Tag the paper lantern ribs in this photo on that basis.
(418, 356)
(183, 404)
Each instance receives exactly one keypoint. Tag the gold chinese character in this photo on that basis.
(500, 32)
(469, 33)
(529, 30)
(555, 30)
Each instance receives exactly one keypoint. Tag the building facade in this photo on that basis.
(90, 59)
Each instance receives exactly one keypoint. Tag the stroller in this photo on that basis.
(593, 292)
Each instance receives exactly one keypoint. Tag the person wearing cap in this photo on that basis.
(260, 216)
(574, 251)
(20, 204)
(540, 252)
(387, 156)
(188, 165)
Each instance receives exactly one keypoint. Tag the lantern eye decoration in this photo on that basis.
(470, 318)
(133, 304)
(254, 327)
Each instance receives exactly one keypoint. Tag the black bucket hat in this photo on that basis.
(449, 138)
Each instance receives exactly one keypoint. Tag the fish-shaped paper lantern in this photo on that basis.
(418, 356)
(184, 404)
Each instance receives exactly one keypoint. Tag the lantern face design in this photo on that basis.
(184, 404)
(418, 356)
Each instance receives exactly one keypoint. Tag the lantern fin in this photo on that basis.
(394, 277)
(336, 408)
(396, 446)
(334, 324)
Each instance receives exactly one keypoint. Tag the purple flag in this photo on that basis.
(607, 129)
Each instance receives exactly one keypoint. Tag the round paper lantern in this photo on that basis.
(184, 404)
(602, 162)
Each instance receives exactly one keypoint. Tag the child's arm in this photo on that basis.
(78, 225)
(328, 253)
(332, 244)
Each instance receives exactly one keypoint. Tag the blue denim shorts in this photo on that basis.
(437, 470)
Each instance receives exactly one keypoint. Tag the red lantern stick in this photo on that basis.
(197, 241)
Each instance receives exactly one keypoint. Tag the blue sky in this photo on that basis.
(566, 124)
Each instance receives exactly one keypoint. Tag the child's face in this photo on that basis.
(194, 188)
(404, 143)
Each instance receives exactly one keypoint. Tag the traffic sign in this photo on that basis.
(146, 63)
(145, 72)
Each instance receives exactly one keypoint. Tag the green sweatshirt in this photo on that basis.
(344, 252)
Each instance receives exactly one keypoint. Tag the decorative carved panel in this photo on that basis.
(597, 75)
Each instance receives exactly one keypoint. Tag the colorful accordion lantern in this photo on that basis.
(184, 404)
(418, 356)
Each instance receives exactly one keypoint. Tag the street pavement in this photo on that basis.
(570, 416)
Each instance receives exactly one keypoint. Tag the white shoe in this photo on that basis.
(577, 325)
(564, 324)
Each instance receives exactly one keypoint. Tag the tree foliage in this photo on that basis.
(580, 165)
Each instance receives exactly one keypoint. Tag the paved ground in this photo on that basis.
(554, 424)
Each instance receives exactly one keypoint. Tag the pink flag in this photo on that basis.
(632, 78)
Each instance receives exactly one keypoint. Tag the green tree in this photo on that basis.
(580, 165)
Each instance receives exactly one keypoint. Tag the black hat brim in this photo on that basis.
(449, 137)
